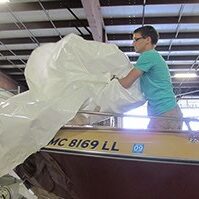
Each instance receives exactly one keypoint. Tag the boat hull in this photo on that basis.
(116, 164)
(99, 177)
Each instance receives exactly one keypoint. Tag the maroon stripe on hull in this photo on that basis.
(106, 178)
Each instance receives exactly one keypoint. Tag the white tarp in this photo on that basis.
(4, 95)
(63, 77)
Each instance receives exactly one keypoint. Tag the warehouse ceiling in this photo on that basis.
(26, 24)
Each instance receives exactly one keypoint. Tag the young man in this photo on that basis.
(155, 81)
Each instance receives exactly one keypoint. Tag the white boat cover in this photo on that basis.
(4, 95)
(63, 77)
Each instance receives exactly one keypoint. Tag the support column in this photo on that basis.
(7, 83)
(95, 19)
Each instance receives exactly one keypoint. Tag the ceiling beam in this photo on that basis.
(185, 82)
(172, 73)
(150, 20)
(178, 48)
(171, 58)
(49, 5)
(54, 39)
(16, 62)
(187, 91)
(163, 48)
(10, 70)
(45, 39)
(16, 52)
(88, 37)
(186, 66)
(181, 35)
(44, 24)
(140, 2)
(185, 85)
(18, 77)
(170, 1)
(184, 58)
(95, 19)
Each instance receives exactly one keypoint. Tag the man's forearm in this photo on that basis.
(132, 76)
(125, 82)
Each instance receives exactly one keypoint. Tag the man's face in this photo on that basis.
(139, 43)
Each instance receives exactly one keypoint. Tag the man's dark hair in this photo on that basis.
(148, 31)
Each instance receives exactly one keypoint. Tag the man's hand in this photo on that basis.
(114, 77)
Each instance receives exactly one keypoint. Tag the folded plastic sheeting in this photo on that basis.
(63, 77)
(4, 95)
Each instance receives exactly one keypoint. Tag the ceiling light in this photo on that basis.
(4, 1)
(185, 75)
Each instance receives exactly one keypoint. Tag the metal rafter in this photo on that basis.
(49, 18)
(190, 69)
(143, 12)
(163, 48)
(83, 23)
(49, 5)
(163, 35)
(173, 58)
(32, 37)
(140, 2)
(187, 93)
(57, 4)
(150, 20)
(12, 63)
(44, 39)
(11, 52)
(177, 29)
(107, 21)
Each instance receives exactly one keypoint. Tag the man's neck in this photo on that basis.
(147, 48)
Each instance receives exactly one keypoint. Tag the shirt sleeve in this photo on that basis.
(144, 62)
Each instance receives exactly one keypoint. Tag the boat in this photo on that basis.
(115, 163)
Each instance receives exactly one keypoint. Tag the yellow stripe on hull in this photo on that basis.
(133, 143)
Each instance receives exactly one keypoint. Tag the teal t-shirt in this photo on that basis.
(156, 83)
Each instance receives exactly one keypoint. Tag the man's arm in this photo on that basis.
(132, 76)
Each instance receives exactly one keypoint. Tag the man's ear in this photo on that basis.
(148, 39)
